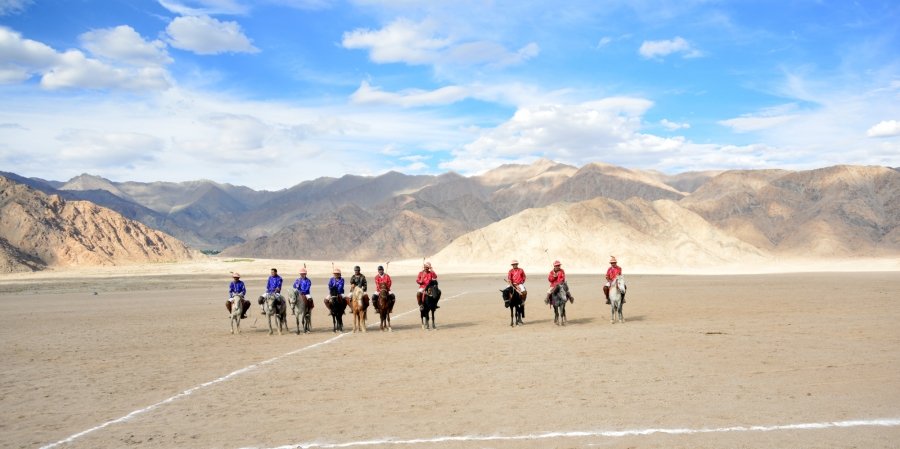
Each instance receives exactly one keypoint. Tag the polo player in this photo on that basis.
(423, 279)
(612, 273)
(237, 289)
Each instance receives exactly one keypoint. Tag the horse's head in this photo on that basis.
(333, 291)
(620, 282)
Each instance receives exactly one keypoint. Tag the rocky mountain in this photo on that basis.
(828, 212)
(583, 235)
(38, 230)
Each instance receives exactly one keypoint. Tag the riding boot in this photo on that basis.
(419, 300)
(606, 292)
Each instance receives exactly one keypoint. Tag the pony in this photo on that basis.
(236, 309)
(514, 301)
(384, 302)
(336, 305)
(557, 299)
(429, 304)
(359, 304)
(616, 291)
(274, 306)
(302, 307)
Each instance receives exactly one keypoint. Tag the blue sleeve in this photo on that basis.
(297, 284)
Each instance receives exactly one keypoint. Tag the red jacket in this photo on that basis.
(425, 277)
(613, 272)
(516, 276)
(382, 280)
(556, 277)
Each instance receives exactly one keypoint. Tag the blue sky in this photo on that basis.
(273, 92)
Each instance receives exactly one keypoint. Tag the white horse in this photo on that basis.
(616, 291)
(274, 305)
(237, 309)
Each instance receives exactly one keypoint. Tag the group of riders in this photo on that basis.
(237, 290)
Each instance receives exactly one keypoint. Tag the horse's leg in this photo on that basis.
(556, 315)
(389, 322)
(621, 316)
(511, 312)
(433, 321)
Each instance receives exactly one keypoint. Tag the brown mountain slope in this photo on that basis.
(583, 235)
(56, 232)
(829, 212)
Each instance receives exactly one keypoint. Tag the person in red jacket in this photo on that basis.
(516, 278)
(423, 279)
(557, 279)
(612, 272)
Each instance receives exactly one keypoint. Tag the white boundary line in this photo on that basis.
(888, 422)
(228, 376)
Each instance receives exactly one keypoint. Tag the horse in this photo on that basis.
(273, 305)
(336, 305)
(384, 302)
(302, 306)
(429, 304)
(557, 299)
(359, 304)
(616, 292)
(513, 301)
(236, 309)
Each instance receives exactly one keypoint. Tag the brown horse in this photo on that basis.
(359, 304)
(384, 303)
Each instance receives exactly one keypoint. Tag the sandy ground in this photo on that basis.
(697, 352)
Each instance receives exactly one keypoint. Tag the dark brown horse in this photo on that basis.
(384, 303)
(515, 302)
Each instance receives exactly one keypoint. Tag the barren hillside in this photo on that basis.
(583, 235)
(829, 212)
(45, 229)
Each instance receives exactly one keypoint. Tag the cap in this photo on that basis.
(427, 265)
(612, 259)
(235, 275)
(514, 262)
(337, 271)
(303, 271)
(556, 263)
(356, 268)
(380, 268)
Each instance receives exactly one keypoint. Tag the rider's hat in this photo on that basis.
(427, 265)
(356, 268)
(612, 259)
(380, 268)
(303, 271)
(556, 263)
(235, 275)
(514, 262)
(337, 271)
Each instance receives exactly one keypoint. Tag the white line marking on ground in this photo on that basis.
(888, 422)
(191, 391)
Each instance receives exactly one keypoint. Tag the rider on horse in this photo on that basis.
(423, 279)
(337, 283)
(237, 288)
(516, 278)
(611, 274)
(273, 287)
(383, 281)
(303, 285)
(557, 277)
(359, 279)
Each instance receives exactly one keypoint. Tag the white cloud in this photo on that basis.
(124, 44)
(107, 148)
(13, 6)
(604, 41)
(659, 49)
(673, 126)
(886, 128)
(366, 94)
(574, 133)
(422, 43)
(204, 7)
(207, 36)
(74, 70)
(21, 59)
(765, 118)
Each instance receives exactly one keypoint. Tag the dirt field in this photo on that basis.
(720, 353)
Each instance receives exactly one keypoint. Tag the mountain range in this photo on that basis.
(524, 211)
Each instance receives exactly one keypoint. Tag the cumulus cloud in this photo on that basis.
(208, 36)
(886, 128)
(575, 133)
(420, 43)
(21, 59)
(366, 94)
(124, 44)
(659, 49)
